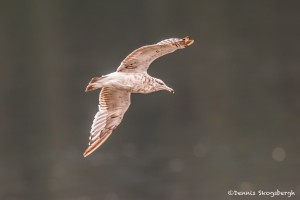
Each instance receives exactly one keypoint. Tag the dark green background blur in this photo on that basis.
(232, 124)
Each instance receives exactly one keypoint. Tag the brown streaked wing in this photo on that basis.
(113, 104)
(140, 59)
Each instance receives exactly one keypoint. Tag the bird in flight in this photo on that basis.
(130, 77)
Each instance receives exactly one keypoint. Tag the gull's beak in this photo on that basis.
(170, 90)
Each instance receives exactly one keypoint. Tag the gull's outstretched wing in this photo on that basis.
(113, 104)
(140, 59)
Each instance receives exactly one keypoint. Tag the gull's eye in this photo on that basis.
(161, 83)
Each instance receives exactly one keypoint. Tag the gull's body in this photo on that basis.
(130, 77)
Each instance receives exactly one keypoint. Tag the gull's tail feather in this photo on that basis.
(94, 84)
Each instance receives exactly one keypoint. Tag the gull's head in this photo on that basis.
(160, 85)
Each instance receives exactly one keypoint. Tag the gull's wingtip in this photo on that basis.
(90, 150)
(187, 41)
(86, 153)
(97, 143)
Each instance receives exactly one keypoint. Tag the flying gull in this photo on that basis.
(130, 77)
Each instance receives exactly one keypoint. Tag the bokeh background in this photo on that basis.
(232, 124)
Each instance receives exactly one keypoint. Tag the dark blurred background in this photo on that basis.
(232, 124)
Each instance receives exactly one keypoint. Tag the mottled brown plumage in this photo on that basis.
(130, 77)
